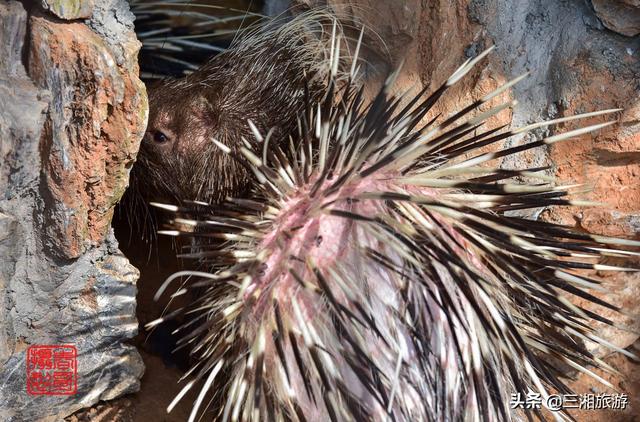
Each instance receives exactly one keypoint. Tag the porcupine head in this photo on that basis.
(261, 78)
(373, 274)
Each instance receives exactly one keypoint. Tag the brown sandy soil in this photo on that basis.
(158, 388)
(626, 382)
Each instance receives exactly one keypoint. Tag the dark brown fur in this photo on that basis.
(262, 78)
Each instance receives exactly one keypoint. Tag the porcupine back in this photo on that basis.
(263, 77)
(374, 273)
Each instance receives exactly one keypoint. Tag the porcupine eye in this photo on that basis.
(160, 138)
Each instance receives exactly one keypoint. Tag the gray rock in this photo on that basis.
(69, 9)
(88, 302)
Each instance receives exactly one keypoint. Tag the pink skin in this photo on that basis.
(309, 232)
(324, 237)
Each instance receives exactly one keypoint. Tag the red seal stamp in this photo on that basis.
(52, 370)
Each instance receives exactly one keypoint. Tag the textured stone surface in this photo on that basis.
(70, 126)
(621, 16)
(91, 136)
(69, 9)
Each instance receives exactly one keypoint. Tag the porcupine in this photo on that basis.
(262, 77)
(373, 273)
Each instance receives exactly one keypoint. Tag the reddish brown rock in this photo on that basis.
(621, 16)
(93, 131)
(608, 164)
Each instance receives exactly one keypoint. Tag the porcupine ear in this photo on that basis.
(203, 106)
(205, 110)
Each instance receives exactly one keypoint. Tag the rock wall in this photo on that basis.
(72, 113)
